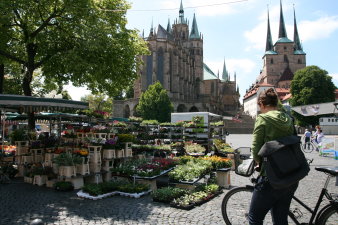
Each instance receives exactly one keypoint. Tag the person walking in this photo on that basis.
(307, 137)
(270, 125)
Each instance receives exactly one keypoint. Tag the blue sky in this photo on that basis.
(235, 31)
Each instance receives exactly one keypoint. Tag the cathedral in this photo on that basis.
(280, 61)
(176, 61)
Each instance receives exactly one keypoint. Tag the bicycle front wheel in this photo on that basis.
(328, 217)
(236, 204)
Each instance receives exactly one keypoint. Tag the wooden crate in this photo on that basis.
(109, 153)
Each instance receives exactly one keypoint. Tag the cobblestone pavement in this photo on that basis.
(20, 203)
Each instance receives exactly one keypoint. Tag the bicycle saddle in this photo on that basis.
(331, 170)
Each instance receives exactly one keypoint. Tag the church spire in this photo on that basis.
(181, 15)
(194, 29)
(282, 30)
(169, 30)
(297, 44)
(269, 45)
(225, 76)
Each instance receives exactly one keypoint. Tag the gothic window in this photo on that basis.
(171, 71)
(284, 47)
(212, 88)
(299, 61)
(149, 69)
(160, 67)
(271, 61)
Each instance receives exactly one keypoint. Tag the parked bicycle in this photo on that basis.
(236, 203)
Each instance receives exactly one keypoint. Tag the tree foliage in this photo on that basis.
(98, 104)
(155, 104)
(311, 85)
(82, 41)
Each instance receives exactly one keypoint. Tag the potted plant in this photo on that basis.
(66, 163)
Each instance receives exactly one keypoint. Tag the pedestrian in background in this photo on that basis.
(307, 137)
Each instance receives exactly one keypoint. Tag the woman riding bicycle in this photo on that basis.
(270, 125)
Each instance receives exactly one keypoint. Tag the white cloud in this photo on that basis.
(318, 29)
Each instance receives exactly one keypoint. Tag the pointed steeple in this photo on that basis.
(225, 76)
(297, 45)
(169, 30)
(151, 29)
(218, 74)
(181, 15)
(194, 29)
(269, 45)
(282, 30)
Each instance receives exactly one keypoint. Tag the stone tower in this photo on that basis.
(284, 58)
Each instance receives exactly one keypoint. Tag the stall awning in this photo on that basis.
(316, 109)
(34, 104)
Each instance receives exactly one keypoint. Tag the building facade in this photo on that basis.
(280, 61)
(176, 61)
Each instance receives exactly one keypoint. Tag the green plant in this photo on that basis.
(63, 186)
(168, 194)
(133, 188)
(93, 189)
(194, 148)
(149, 122)
(126, 138)
(18, 135)
(67, 159)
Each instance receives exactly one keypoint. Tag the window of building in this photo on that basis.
(329, 120)
(271, 61)
(285, 47)
(299, 61)
(321, 120)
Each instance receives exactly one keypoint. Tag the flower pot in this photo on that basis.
(40, 180)
(109, 154)
(120, 153)
(67, 171)
(82, 169)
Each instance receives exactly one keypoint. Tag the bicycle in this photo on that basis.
(309, 146)
(236, 203)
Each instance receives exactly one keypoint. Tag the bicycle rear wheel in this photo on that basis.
(328, 217)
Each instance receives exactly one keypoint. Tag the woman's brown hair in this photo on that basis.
(268, 97)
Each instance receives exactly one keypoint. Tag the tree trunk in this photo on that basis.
(2, 76)
(31, 51)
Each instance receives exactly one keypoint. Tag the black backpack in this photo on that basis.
(284, 161)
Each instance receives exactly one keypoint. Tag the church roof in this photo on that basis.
(297, 45)
(287, 75)
(269, 45)
(208, 74)
(163, 34)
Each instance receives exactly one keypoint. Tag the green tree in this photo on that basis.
(82, 41)
(155, 104)
(98, 103)
(311, 85)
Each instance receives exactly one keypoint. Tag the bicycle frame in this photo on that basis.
(314, 213)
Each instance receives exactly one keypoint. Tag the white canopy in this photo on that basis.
(317, 109)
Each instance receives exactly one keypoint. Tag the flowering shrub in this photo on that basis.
(8, 150)
(81, 152)
(135, 119)
(144, 168)
(119, 124)
(218, 162)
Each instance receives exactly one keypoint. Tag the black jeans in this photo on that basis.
(266, 198)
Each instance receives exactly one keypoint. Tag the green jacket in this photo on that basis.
(270, 126)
